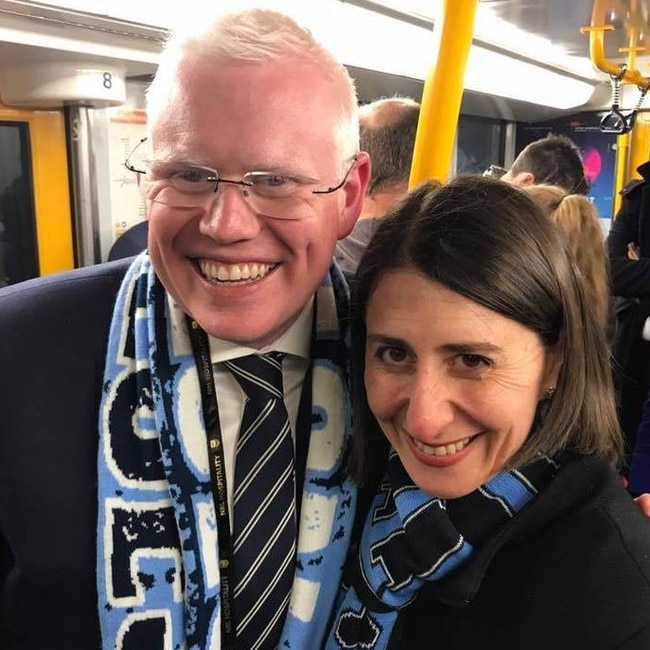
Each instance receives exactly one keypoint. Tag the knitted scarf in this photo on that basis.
(157, 553)
(410, 538)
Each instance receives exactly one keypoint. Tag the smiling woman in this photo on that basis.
(455, 386)
(485, 422)
(467, 247)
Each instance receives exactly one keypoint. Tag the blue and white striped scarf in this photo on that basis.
(410, 538)
(157, 551)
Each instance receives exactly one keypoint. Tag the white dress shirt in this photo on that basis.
(295, 343)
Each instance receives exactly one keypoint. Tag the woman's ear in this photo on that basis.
(552, 365)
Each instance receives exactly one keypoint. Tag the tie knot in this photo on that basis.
(259, 375)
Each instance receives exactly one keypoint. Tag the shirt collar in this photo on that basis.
(295, 341)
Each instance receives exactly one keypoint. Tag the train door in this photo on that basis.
(35, 217)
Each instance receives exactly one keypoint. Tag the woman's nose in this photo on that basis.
(430, 407)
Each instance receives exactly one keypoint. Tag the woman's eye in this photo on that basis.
(474, 361)
(390, 354)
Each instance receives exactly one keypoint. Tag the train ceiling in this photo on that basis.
(543, 33)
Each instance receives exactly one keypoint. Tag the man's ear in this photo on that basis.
(523, 179)
(354, 192)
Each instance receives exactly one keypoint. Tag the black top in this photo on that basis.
(630, 278)
(571, 572)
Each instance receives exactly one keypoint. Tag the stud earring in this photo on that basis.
(549, 392)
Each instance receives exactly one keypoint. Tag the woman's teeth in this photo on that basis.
(442, 450)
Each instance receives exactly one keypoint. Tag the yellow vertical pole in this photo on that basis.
(623, 141)
(622, 152)
(443, 91)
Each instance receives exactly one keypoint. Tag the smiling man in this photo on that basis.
(180, 483)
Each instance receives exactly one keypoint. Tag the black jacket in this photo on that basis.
(630, 284)
(571, 572)
(631, 278)
(54, 333)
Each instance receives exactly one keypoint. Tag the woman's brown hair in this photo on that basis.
(491, 243)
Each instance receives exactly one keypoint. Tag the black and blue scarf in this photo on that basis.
(410, 538)
(158, 574)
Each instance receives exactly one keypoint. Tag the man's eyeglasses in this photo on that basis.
(269, 194)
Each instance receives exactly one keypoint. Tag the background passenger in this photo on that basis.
(577, 217)
(553, 160)
(628, 246)
(499, 521)
(387, 134)
(131, 242)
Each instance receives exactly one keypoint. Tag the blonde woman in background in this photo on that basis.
(576, 215)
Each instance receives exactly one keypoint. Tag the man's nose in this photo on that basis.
(229, 216)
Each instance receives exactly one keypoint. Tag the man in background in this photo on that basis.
(387, 134)
(552, 160)
(131, 242)
(628, 245)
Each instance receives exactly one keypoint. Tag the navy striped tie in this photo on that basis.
(264, 527)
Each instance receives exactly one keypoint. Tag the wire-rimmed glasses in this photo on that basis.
(270, 194)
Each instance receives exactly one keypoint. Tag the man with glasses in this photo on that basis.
(173, 430)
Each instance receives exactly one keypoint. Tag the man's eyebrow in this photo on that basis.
(181, 162)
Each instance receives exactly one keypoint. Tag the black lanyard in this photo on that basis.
(201, 349)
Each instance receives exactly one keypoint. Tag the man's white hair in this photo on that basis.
(255, 36)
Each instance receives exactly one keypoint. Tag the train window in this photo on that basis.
(480, 143)
(18, 249)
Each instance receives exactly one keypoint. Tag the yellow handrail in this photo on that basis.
(596, 32)
(442, 93)
(626, 74)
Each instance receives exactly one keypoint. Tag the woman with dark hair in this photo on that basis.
(486, 429)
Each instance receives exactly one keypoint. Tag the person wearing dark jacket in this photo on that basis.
(485, 419)
(174, 427)
(131, 242)
(628, 246)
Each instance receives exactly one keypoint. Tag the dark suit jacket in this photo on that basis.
(53, 336)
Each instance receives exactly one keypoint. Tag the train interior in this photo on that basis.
(73, 76)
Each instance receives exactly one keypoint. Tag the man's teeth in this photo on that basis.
(442, 450)
(234, 272)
